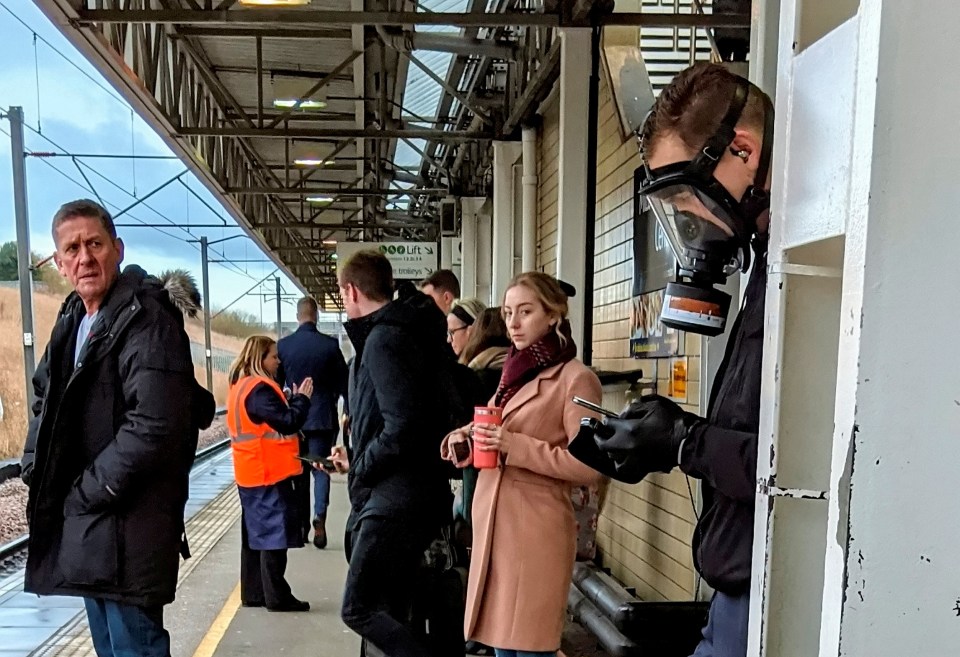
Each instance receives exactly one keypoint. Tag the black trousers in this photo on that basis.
(262, 572)
(385, 556)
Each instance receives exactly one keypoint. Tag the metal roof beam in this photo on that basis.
(317, 87)
(366, 133)
(299, 17)
(274, 17)
(267, 32)
(333, 191)
(537, 88)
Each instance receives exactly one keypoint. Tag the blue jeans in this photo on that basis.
(500, 652)
(320, 443)
(120, 630)
(726, 632)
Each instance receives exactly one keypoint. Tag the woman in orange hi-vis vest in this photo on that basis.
(263, 435)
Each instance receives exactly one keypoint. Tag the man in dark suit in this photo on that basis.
(309, 353)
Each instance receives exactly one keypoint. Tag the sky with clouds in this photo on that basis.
(76, 111)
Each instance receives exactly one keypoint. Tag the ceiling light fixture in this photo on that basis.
(320, 199)
(311, 162)
(292, 103)
(275, 3)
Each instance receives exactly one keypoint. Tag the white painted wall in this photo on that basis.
(861, 396)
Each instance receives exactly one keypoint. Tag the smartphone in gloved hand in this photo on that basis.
(579, 401)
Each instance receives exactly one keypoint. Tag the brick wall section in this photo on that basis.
(548, 165)
(644, 530)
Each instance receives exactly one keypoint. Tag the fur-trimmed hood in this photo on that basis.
(178, 284)
(181, 287)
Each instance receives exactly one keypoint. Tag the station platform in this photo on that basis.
(207, 620)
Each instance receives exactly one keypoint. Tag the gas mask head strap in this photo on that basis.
(708, 157)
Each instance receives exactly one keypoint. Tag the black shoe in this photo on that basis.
(291, 605)
(255, 603)
(320, 532)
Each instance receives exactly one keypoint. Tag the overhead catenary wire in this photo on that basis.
(73, 63)
(69, 60)
(111, 182)
(166, 233)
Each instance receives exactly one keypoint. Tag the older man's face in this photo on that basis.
(88, 257)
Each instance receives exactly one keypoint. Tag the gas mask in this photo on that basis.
(708, 229)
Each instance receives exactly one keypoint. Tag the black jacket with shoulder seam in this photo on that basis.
(722, 452)
(399, 391)
(111, 444)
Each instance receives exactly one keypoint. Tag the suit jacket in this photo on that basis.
(524, 531)
(308, 352)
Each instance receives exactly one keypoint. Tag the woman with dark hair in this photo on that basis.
(525, 532)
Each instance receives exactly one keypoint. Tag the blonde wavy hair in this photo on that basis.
(548, 292)
(250, 360)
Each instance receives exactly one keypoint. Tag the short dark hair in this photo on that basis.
(695, 102)
(443, 280)
(370, 272)
(83, 207)
(307, 305)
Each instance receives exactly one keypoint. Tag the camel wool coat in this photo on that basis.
(524, 531)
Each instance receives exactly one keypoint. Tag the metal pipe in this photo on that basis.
(529, 210)
(612, 640)
(593, 108)
(17, 150)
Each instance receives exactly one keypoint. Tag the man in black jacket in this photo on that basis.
(112, 440)
(309, 353)
(399, 494)
(706, 147)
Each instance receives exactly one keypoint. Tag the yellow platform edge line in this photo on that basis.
(220, 624)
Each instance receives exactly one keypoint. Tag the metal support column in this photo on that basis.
(279, 301)
(207, 346)
(470, 208)
(17, 152)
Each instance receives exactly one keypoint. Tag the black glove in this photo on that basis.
(629, 468)
(647, 436)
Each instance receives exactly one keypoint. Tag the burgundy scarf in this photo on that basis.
(523, 365)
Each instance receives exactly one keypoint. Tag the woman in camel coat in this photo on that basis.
(524, 537)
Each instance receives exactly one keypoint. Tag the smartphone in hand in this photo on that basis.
(322, 461)
(461, 450)
(593, 407)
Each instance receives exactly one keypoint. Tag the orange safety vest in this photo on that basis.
(261, 456)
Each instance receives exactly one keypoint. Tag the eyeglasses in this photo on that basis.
(451, 332)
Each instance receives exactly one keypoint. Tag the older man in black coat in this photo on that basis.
(112, 440)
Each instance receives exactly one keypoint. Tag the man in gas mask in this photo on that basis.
(706, 149)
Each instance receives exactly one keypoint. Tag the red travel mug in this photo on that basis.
(485, 415)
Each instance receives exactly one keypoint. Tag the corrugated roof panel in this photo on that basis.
(422, 94)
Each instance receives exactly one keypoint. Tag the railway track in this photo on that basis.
(12, 552)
